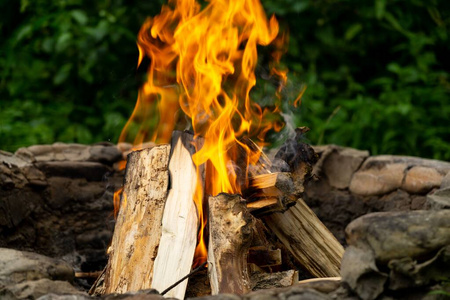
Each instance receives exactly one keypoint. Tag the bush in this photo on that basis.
(377, 72)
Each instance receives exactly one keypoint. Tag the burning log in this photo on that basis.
(231, 231)
(298, 228)
(138, 228)
(156, 230)
(271, 192)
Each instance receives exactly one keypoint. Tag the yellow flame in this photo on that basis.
(201, 72)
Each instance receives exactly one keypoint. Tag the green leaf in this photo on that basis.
(352, 31)
(63, 42)
(380, 6)
(62, 74)
(79, 16)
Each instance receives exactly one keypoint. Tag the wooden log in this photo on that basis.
(307, 239)
(271, 192)
(180, 219)
(263, 257)
(261, 281)
(230, 236)
(138, 227)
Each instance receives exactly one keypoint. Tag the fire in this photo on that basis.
(201, 72)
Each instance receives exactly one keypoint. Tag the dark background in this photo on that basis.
(377, 72)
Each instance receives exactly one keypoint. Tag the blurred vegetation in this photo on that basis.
(377, 72)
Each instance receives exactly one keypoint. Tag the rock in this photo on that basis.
(10, 160)
(339, 164)
(407, 273)
(377, 180)
(439, 199)
(20, 266)
(419, 180)
(52, 296)
(446, 181)
(149, 294)
(91, 171)
(105, 154)
(394, 235)
(37, 288)
(385, 173)
(359, 271)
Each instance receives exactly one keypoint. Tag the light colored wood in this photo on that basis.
(138, 227)
(180, 220)
(261, 203)
(307, 239)
(320, 279)
(230, 236)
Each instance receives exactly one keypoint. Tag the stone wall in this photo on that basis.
(350, 183)
(57, 200)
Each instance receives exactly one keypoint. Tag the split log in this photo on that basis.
(262, 257)
(138, 228)
(271, 192)
(307, 239)
(230, 236)
(263, 281)
(156, 231)
(301, 232)
(180, 219)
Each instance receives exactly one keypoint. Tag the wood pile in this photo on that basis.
(257, 240)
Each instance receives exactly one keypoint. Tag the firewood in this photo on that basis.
(307, 239)
(263, 257)
(271, 192)
(263, 281)
(230, 236)
(156, 231)
(138, 228)
(180, 219)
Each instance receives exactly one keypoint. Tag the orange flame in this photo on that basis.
(201, 72)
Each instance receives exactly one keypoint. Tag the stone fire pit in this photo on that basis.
(56, 211)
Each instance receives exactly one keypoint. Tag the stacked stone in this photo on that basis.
(351, 184)
(57, 200)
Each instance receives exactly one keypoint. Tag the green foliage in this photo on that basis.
(67, 69)
(377, 72)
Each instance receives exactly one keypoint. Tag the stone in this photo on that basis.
(52, 296)
(446, 181)
(91, 171)
(340, 164)
(419, 180)
(21, 266)
(394, 235)
(439, 199)
(378, 181)
(384, 173)
(360, 273)
(407, 273)
(10, 160)
(37, 288)
(105, 154)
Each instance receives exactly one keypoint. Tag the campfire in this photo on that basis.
(209, 195)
